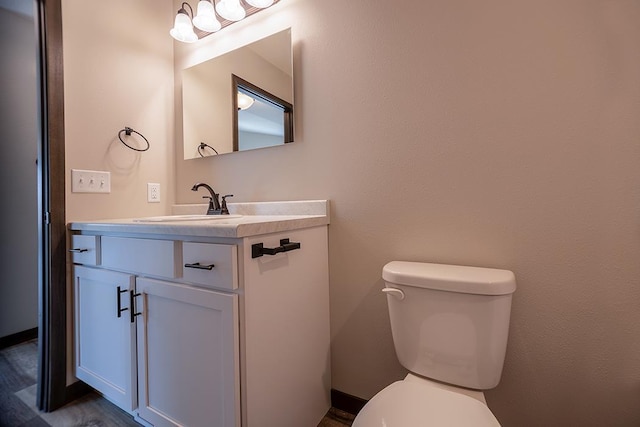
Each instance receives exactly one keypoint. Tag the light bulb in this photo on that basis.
(260, 3)
(244, 101)
(182, 29)
(206, 20)
(231, 10)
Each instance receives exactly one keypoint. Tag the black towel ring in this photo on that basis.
(128, 131)
(202, 146)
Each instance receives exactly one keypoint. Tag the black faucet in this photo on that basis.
(214, 203)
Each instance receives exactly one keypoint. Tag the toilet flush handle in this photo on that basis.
(395, 292)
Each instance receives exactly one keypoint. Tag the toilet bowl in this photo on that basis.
(418, 402)
(449, 325)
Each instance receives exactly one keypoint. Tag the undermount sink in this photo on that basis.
(170, 218)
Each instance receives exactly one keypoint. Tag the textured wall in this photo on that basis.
(118, 71)
(501, 134)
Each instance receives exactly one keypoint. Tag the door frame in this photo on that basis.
(53, 391)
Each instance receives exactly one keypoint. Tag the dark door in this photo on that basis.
(52, 389)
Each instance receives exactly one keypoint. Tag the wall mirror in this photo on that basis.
(241, 100)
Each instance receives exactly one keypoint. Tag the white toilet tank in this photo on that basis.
(450, 323)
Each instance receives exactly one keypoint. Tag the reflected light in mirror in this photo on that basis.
(244, 101)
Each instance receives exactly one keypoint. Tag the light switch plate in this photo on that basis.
(84, 181)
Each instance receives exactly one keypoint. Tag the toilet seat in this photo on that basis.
(413, 404)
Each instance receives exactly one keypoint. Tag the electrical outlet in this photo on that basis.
(153, 192)
(83, 181)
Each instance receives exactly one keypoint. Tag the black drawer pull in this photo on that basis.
(258, 249)
(200, 266)
(132, 305)
(120, 309)
(78, 250)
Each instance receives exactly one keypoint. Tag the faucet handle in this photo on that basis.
(223, 208)
(211, 208)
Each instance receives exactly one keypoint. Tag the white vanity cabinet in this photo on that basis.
(104, 335)
(188, 369)
(209, 333)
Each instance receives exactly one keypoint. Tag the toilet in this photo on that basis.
(450, 325)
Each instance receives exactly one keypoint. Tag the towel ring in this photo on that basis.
(128, 131)
(202, 146)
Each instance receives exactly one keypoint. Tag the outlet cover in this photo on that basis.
(153, 192)
(84, 181)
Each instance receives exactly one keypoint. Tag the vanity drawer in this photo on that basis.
(141, 256)
(210, 264)
(85, 249)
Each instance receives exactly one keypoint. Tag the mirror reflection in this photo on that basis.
(262, 119)
(241, 100)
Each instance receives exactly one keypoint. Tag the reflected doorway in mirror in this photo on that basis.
(261, 119)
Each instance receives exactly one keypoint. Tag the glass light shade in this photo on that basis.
(206, 20)
(230, 10)
(182, 29)
(260, 3)
(244, 101)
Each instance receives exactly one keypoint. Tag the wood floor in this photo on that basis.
(18, 373)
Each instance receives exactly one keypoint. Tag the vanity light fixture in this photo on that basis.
(244, 101)
(206, 20)
(182, 28)
(260, 3)
(231, 10)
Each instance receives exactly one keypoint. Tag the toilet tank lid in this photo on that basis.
(451, 278)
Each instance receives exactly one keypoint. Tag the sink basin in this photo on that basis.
(171, 218)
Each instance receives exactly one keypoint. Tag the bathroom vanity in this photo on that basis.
(220, 322)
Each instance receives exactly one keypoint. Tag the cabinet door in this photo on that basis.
(188, 362)
(104, 341)
(286, 331)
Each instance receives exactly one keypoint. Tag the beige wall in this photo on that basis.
(118, 71)
(502, 134)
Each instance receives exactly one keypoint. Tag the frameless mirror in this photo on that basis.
(241, 100)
